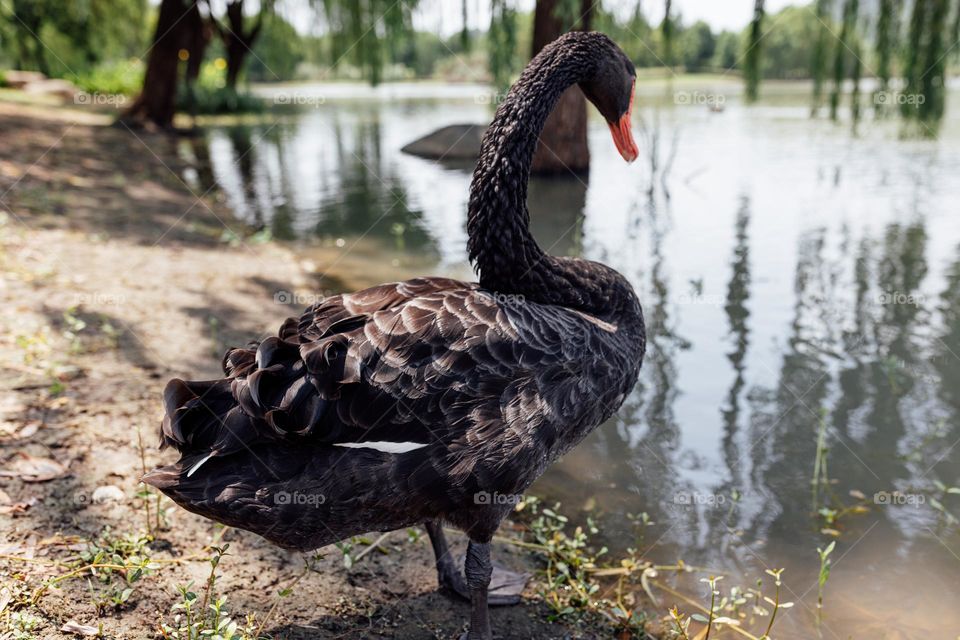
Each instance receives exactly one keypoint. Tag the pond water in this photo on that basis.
(796, 279)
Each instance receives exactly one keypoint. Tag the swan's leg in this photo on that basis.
(479, 570)
(448, 573)
(505, 587)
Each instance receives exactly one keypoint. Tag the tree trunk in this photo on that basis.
(237, 41)
(751, 62)
(562, 147)
(156, 103)
(819, 64)
(236, 55)
(200, 34)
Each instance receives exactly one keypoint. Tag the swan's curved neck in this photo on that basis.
(501, 246)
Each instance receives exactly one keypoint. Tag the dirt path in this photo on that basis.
(115, 277)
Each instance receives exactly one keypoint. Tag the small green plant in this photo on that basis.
(148, 494)
(73, 328)
(682, 622)
(825, 564)
(712, 583)
(571, 582)
(775, 602)
(112, 565)
(23, 624)
(641, 522)
(937, 502)
(192, 622)
(234, 239)
(207, 618)
(820, 475)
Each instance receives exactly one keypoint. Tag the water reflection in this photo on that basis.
(282, 178)
(780, 294)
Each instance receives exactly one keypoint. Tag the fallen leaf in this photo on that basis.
(29, 429)
(17, 507)
(80, 629)
(31, 469)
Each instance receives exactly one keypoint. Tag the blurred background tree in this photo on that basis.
(751, 57)
(202, 62)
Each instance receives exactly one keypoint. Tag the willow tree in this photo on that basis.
(502, 42)
(751, 61)
(850, 10)
(360, 32)
(955, 30)
(885, 42)
(465, 29)
(667, 33)
(925, 62)
(856, 72)
(818, 67)
(562, 146)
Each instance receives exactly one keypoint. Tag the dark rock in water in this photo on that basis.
(455, 142)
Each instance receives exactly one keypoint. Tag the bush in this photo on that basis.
(211, 96)
(217, 100)
(124, 77)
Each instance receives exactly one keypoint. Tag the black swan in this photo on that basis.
(430, 400)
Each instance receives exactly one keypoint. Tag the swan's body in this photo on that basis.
(427, 400)
(483, 392)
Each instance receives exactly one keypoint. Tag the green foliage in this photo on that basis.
(124, 77)
(925, 64)
(726, 50)
(60, 38)
(192, 622)
(886, 40)
(276, 53)
(824, 575)
(570, 582)
(196, 618)
(790, 44)
(818, 61)
(636, 36)
(364, 32)
(697, 46)
(502, 42)
(667, 33)
(23, 624)
(421, 52)
(210, 95)
(843, 53)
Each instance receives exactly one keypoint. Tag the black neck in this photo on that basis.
(501, 246)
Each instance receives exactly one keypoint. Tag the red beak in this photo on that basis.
(623, 133)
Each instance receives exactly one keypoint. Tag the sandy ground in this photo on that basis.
(114, 279)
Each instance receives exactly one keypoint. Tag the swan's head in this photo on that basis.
(610, 89)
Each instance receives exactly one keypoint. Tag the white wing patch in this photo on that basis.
(197, 466)
(385, 447)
